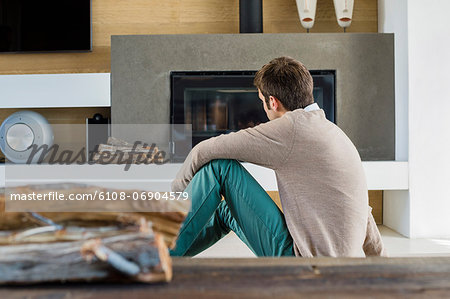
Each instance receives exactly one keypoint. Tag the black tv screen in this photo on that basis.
(45, 25)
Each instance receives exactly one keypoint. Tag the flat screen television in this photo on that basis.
(45, 26)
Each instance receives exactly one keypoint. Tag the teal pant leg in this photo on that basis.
(213, 231)
(248, 210)
(217, 227)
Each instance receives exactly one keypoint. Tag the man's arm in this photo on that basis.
(267, 145)
(373, 244)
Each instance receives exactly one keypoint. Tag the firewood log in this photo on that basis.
(130, 256)
(166, 216)
(108, 245)
(117, 151)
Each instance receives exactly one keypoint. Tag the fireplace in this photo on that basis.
(141, 67)
(220, 102)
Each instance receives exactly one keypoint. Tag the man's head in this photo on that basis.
(284, 84)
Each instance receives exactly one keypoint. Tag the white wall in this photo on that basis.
(429, 117)
(397, 211)
(422, 33)
(393, 18)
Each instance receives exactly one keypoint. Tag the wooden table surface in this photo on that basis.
(276, 278)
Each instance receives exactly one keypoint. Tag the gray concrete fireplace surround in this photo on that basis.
(364, 65)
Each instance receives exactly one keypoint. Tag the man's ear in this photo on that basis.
(274, 103)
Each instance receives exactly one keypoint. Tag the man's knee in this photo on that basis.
(221, 167)
(219, 170)
(223, 163)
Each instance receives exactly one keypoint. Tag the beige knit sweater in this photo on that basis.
(320, 178)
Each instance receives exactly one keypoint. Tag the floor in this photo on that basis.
(396, 245)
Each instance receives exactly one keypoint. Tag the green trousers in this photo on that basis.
(247, 210)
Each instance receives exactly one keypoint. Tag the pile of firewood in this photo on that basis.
(117, 151)
(80, 246)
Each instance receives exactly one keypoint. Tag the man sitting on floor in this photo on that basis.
(319, 173)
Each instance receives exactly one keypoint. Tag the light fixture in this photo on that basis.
(344, 12)
(20, 131)
(307, 12)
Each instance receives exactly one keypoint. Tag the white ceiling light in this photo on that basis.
(307, 12)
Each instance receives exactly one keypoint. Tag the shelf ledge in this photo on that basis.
(380, 175)
(55, 90)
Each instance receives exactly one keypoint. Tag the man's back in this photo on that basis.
(323, 188)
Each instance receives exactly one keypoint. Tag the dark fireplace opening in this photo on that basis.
(220, 102)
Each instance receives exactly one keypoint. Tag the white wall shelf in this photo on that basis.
(381, 175)
(55, 90)
(387, 175)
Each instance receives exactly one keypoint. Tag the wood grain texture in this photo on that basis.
(166, 216)
(282, 16)
(375, 201)
(273, 278)
(76, 115)
(118, 17)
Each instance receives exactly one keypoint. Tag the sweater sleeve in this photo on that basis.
(267, 145)
(373, 244)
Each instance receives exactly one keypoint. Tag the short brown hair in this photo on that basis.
(288, 80)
